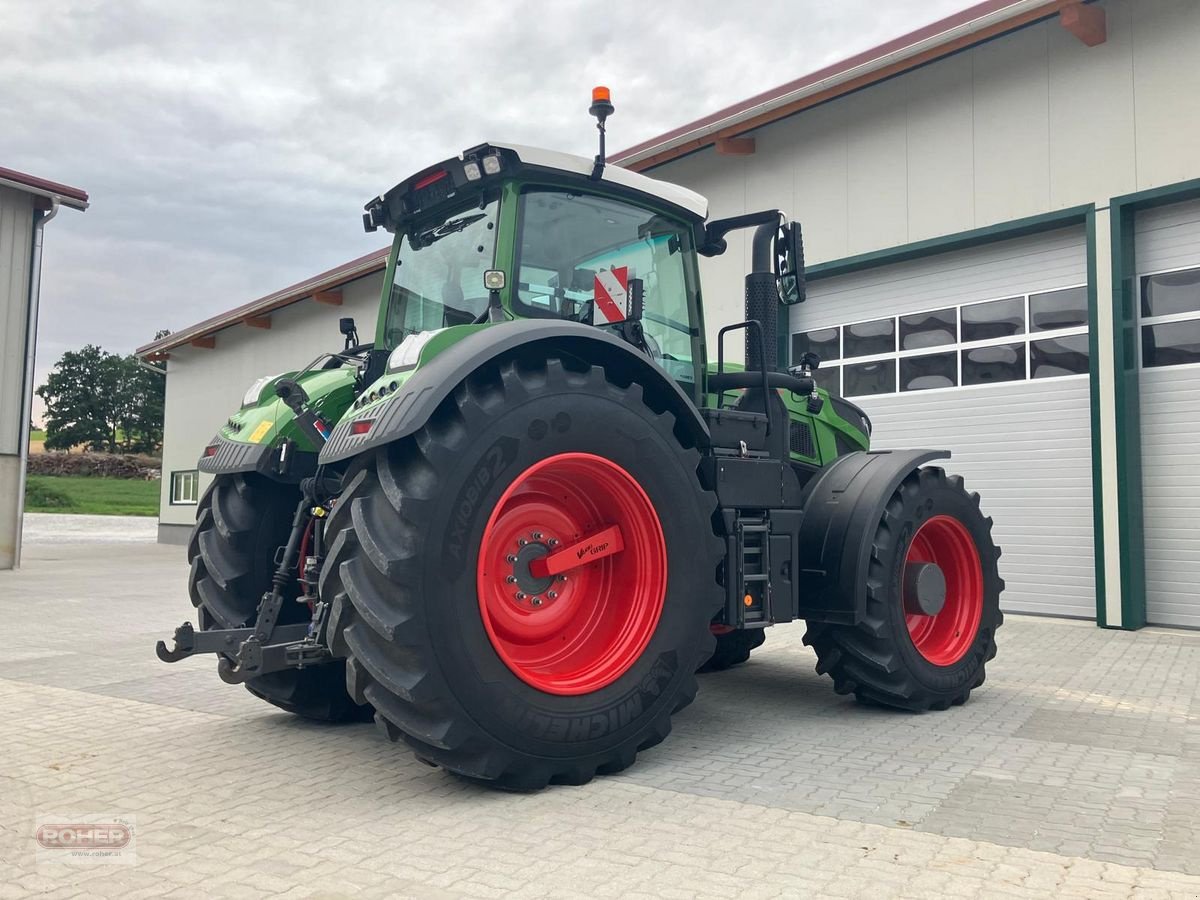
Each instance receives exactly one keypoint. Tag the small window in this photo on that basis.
(1172, 344)
(823, 342)
(921, 373)
(864, 379)
(869, 338)
(985, 365)
(1053, 357)
(931, 329)
(830, 378)
(994, 319)
(1171, 294)
(1058, 309)
(184, 487)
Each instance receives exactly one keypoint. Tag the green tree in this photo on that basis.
(104, 401)
(77, 400)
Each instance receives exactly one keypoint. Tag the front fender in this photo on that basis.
(842, 508)
(410, 406)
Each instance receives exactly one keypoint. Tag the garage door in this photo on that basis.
(1167, 243)
(982, 352)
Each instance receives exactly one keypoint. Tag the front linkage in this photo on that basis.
(247, 653)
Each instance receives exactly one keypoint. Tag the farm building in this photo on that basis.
(1002, 220)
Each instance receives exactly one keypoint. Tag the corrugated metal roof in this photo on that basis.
(74, 197)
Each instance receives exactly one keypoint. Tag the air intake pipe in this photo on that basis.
(762, 300)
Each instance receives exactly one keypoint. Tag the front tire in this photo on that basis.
(901, 655)
(240, 522)
(460, 662)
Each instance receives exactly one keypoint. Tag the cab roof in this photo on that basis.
(579, 165)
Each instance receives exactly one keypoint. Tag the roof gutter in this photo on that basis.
(31, 322)
(747, 117)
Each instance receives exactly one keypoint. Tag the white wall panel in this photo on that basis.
(876, 167)
(1091, 108)
(1166, 43)
(1012, 127)
(16, 237)
(941, 171)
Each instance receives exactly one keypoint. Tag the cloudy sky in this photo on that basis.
(228, 147)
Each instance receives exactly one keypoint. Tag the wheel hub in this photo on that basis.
(924, 589)
(524, 580)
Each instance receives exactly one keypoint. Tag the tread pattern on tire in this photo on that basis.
(230, 553)
(374, 571)
(863, 659)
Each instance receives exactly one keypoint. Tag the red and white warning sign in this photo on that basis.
(612, 294)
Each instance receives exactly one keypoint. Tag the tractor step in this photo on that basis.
(749, 590)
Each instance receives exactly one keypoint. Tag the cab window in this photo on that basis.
(569, 241)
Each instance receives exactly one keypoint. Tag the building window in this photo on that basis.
(1059, 356)
(185, 487)
(932, 329)
(933, 370)
(865, 379)
(1042, 335)
(1170, 307)
(994, 319)
(999, 362)
(1067, 308)
(869, 338)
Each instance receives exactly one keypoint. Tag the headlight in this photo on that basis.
(252, 393)
(405, 355)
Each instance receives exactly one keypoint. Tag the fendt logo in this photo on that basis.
(84, 836)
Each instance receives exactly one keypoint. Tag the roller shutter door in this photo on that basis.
(1167, 242)
(982, 352)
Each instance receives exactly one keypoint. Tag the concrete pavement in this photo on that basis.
(1074, 772)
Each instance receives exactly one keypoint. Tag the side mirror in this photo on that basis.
(789, 264)
(349, 332)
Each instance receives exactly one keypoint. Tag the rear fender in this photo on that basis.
(842, 508)
(412, 403)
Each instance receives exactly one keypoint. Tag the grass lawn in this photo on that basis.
(37, 434)
(95, 496)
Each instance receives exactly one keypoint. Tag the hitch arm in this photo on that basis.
(189, 641)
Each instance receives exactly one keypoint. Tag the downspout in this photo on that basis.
(35, 287)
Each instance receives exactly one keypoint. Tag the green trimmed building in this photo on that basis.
(1002, 219)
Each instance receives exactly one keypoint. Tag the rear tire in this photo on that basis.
(240, 522)
(918, 662)
(481, 688)
(733, 649)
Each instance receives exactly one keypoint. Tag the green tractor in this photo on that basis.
(514, 526)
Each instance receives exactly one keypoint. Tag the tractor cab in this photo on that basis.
(616, 252)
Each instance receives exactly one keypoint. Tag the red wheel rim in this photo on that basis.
(577, 629)
(945, 638)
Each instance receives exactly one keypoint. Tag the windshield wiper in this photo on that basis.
(446, 229)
